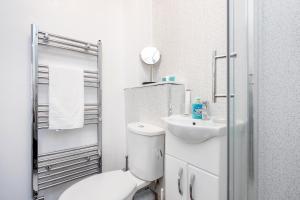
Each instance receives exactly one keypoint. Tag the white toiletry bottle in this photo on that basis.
(187, 102)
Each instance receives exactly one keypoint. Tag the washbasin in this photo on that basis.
(194, 130)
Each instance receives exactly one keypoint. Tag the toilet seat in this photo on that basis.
(114, 185)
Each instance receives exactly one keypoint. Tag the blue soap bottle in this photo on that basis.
(197, 108)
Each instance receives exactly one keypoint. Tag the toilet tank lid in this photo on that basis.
(145, 129)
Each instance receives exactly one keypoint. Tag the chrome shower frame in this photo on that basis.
(252, 9)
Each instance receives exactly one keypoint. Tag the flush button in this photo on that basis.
(141, 126)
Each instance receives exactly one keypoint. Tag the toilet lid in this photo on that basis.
(115, 185)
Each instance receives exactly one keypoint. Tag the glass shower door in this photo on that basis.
(238, 101)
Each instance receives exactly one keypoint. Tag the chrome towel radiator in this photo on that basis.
(55, 168)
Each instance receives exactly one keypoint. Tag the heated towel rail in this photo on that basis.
(55, 168)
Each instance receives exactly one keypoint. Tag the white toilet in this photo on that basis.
(145, 146)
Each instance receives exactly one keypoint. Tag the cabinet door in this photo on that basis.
(202, 185)
(175, 179)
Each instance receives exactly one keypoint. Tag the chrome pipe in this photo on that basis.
(85, 120)
(43, 111)
(43, 66)
(66, 38)
(214, 76)
(69, 165)
(90, 76)
(85, 80)
(99, 99)
(91, 118)
(85, 71)
(91, 104)
(42, 122)
(34, 97)
(86, 48)
(67, 170)
(69, 180)
(68, 150)
(86, 109)
(87, 157)
(85, 85)
(221, 56)
(89, 109)
(91, 114)
(91, 81)
(86, 75)
(46, 115)
(43, 72)
(69, 155)
(90, 72)
(85, 123)
(86, 105)
(47, 75)
(67, 48)
(43, 116)
(42, 105)
(68, 175)
(223, 95)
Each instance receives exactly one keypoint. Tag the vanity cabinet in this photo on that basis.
(175, 178)
(190, 178)
(185, 182)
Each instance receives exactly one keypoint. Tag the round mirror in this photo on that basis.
(150, 55)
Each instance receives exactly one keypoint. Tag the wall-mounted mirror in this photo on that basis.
(150, 56)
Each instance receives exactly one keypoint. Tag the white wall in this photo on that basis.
(85, 20)
(279, 100)
(137, 34)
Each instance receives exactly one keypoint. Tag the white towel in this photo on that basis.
(66, 98)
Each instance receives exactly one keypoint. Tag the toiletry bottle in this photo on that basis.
(205, 110)
(197, 109)
(187, 102)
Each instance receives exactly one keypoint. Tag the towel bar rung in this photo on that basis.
(85, 123)
(68, 180)
(46, 68)
(85, 85)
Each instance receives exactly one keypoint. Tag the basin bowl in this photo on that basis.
(194, 130)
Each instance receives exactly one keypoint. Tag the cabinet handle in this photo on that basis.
(192, 180)
(179, 181)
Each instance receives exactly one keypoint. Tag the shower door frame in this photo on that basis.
(252, 11)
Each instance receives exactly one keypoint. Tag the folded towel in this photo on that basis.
(66, 98)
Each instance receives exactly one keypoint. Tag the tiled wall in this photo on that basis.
(150, 104)
(279, 100)
(186, 33)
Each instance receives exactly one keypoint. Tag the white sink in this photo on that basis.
(194, 130)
